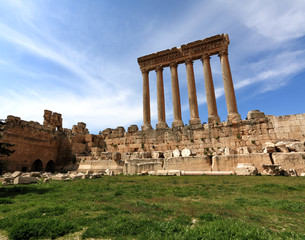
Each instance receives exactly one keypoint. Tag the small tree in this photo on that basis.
(4, 148)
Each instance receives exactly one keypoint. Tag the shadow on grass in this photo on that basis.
(13, 191)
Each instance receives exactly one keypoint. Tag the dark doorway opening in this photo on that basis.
(37, 165)
(50, 166)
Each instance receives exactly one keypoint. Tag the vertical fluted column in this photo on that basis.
(192, 93)
(146, 101)
(209, 90)
(228, 87)
(176, 96)
(160, 99)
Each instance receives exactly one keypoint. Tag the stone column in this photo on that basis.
(160, 99)
(176, 96)
(192, 93)
(209, 90)
(146, 101)
(233, 114)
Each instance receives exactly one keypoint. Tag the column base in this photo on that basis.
(146, 127)
(177, 123)
(161, 125)
(214, 119)
(195, 121)
(234, 117)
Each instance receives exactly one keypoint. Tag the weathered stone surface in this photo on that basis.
(173, 172)
(246, 169)
(16, 174)
(59, 177)
(161, 173)
(176, 153)
(168, 154)
(133, 129)
(157, 154)
(281, 147)
(186, 152)
(273, 170)
(24, 180)
(269, 147)
(35, 174)
(116, 156)
(255, 114)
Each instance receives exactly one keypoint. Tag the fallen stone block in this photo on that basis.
(161, 173)
(16, 174)
(24, 180)
(59, 177)
(246, 169)
(272, 170)
(35, 174)
(173, 172)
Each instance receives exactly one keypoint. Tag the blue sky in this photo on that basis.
(79, 58)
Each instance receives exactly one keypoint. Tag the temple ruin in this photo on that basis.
(264, 143)
(186, 54)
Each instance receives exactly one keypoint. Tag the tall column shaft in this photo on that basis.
(209, 90)
(192, 93)
(176, 96)
(228, 87)
(146, 101)
(160, 99)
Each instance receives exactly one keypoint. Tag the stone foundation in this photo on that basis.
(259, 140)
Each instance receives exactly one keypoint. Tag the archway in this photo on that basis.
(37, 165)
(50, 166)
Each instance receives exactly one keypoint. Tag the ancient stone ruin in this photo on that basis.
(260, 144)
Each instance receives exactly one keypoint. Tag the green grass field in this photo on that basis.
(149, 207)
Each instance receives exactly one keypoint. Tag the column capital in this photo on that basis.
(223, 53)
(159, 68)
(144, 71)
(174, 64)
(205, 56)
(189, 61)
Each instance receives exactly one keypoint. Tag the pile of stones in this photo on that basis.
(42, 177)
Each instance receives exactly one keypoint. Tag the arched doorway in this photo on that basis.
(50, 166)
(37, 165)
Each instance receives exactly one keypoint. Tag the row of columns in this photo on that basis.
(193, 105)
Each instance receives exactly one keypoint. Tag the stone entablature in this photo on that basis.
(194, 51)
(186, 54)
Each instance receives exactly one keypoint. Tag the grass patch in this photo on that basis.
(150, 207)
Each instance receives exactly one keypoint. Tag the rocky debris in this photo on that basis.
(296, 147)
(59, 176)
(16, 174)
(156, 154)
(176, 153)
(284, 146)
(243, 150)
(255, 114)
(245, 169)
(24, 180)
(290, 172)
(302, 174)
(269, 147)
(277, 170)
(168, 154)
(272, 170)
(116, 156)
(229, 151)
(281, 147)
(132, 129)
(108, 172)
